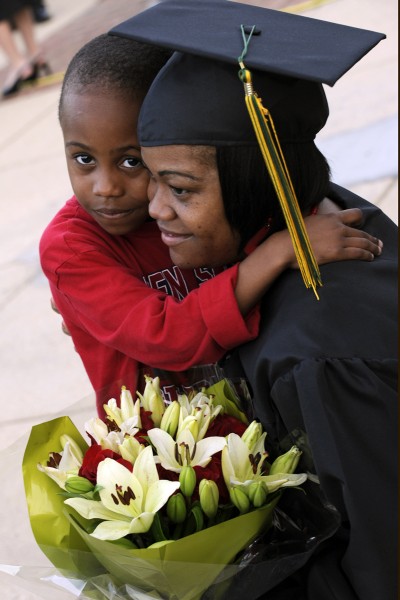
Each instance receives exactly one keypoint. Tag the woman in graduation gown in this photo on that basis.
(322, 372)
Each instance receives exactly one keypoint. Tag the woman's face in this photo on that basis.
(186, 200)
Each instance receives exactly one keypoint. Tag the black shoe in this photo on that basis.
(12, 89)
(18, 83)
(40, 14)
(40, 68)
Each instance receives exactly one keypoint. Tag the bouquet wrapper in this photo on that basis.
(186, 568)
(58, 540)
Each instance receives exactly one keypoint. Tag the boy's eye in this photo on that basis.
(84, 159)
(132, 162)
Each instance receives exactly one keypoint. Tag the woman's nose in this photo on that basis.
(159, 208)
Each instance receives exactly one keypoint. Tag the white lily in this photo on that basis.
(110, 440)
(200, 409)
(200, 400)
(240, 467)
(97, 429)
(62, 465)
(128, 501)
(127, 413)
(175, 454)
(73, 447)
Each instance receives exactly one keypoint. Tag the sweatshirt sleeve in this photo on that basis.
(104, 298)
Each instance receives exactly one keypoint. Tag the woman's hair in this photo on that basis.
(249, 196)
(113, 63)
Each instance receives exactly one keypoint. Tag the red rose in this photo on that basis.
(225, 424)
(147, 421)
(94, 455)
(166, 474)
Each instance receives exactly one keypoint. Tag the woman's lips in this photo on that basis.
(171, 238)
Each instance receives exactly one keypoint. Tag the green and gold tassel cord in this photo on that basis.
(278, 171)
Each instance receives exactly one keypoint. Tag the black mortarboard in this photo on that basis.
(197, 98)
(284, 43)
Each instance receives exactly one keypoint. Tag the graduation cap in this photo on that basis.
(197, 98)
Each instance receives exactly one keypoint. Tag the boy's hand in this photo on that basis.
(333, 238)
(64, 328)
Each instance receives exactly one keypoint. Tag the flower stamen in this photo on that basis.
(54, 460)
(123, 497)
(254, 461)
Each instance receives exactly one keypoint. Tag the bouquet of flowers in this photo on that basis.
(163, 497)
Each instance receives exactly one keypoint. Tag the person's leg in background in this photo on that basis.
(24, 23)
(23, 67)
(19, 68)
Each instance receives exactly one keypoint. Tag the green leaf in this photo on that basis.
(195, 520)
(157, 530)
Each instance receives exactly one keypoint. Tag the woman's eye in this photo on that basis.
(84, 159)
(179, 191)
(132, 163)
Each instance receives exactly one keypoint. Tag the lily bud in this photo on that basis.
(187, 479)
(157, 408)
(176, 508)
(252, 434)
(239, 499)
(127, 404)
(152, 399)
(170, 418)
(258, 493)
(209, 497)
(78, 485)
(286, 463)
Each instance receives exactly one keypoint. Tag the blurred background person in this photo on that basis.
(24, 66)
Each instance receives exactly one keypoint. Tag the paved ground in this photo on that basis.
(40, 375)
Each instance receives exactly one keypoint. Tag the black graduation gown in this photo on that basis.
(328, 368)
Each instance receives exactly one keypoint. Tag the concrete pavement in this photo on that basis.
(40, 375)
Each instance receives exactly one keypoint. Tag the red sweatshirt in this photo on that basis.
(125, 303)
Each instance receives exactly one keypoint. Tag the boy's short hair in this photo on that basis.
(113, 63)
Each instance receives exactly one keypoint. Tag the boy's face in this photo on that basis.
(104, 160)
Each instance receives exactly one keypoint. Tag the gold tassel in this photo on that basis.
(278, 171)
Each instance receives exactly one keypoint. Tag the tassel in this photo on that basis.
(272, 153)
